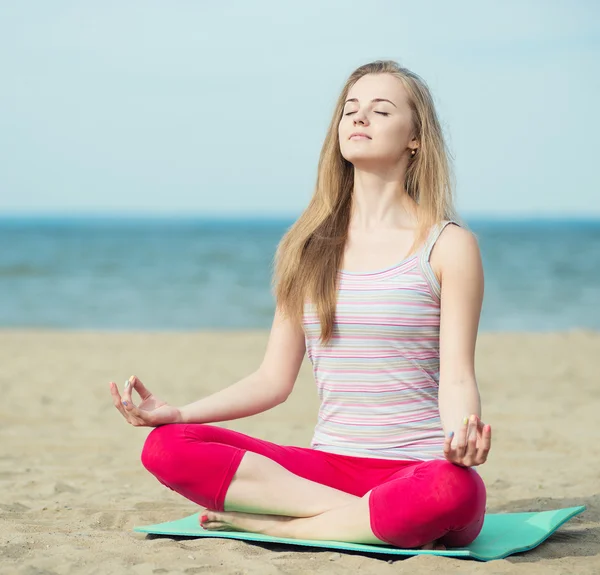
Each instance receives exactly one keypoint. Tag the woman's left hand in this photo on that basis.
(472, 444)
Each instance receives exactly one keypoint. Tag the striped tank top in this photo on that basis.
(378, 377)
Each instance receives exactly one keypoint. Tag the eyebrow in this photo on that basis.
(373, 100)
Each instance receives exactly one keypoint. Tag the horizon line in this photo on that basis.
(271, 217)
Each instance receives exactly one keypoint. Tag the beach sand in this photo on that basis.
(72, 486)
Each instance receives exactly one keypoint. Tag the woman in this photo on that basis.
(382, 289)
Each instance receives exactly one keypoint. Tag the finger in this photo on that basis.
(448, 445)
(486, 443)
(471, 450)
(127, 390)
(461, 445)
(473, 428)
(142, 390)
(117, 402)
(114, 392)
(450, 452)
(135, 415)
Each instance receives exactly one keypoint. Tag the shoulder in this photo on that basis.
(457, 240)
(457, 249)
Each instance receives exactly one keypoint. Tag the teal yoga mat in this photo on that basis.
(502, 534)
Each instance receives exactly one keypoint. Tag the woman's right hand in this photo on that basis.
(150, 412)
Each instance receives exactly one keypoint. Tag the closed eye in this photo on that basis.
(382, 113)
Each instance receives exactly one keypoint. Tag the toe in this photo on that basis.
(213, 526)
(207, 519)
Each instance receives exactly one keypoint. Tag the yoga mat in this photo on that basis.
(502, 534)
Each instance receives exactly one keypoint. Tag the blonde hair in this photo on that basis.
(310, 254)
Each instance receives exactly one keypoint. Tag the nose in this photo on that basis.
(360, 118)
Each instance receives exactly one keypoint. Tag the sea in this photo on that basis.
(190, 273)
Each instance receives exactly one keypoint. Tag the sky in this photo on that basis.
(220, 108)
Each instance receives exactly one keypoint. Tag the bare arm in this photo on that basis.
(456, 258)
(268, 386)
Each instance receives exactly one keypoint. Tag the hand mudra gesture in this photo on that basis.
(151, 411)
(471, 445)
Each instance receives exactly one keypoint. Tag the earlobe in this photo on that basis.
(413, 147)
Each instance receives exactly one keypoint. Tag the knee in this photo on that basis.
(460, 492)
(160, 449)
(439, 497)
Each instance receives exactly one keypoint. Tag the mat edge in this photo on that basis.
(576, 510)
(573, 511)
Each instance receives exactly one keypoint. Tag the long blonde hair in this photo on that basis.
(310, 254)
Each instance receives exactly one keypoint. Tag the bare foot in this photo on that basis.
(273, 525)
(249, 522)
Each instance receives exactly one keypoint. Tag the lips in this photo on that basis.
(359, 135)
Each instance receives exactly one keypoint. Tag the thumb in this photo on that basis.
(137, 416)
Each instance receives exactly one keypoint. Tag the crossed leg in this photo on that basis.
(263, 496)
(286, 505)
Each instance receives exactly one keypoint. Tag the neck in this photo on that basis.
(380, 201)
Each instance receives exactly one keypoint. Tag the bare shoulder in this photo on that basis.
(457, 249)
(456, 240)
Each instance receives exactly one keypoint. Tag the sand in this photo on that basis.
(72, 485)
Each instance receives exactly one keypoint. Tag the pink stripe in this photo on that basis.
(385, 353)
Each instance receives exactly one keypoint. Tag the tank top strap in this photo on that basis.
(426, 269)
(433, 237)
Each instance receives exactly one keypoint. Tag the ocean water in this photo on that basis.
(187, 274)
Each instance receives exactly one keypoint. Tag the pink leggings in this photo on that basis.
(411, 503)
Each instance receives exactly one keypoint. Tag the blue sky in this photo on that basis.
(221, 107)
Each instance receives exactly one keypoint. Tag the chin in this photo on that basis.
(364, 160)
